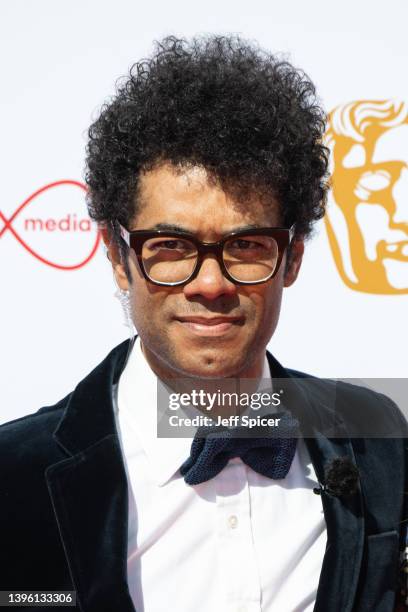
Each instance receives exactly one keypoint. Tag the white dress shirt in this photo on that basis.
(240, 542)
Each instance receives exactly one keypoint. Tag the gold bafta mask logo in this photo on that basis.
(367, 215)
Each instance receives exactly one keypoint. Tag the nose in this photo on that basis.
(400, 196)
(210, 282)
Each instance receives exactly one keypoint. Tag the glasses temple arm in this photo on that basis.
(124, 234)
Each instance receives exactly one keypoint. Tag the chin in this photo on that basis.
(211, 367)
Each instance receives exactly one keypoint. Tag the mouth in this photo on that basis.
(394, 250)
(210, 326)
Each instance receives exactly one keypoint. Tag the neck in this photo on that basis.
(247, 382)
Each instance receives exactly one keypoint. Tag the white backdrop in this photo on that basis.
(59, 62)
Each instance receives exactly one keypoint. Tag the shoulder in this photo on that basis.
(27, 443)
(36, 423)
(33, 432)
(363, 409)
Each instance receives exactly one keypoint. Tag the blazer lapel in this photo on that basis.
(344, 516)
(345, 532)
(89, 491)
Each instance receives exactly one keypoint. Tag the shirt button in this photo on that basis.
(233, 521)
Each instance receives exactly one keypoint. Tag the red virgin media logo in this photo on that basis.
(53, 226)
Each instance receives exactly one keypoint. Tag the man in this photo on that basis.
(205, 173)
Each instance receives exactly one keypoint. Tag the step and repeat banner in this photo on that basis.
(346, 316)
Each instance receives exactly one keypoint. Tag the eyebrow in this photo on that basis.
(174, 227)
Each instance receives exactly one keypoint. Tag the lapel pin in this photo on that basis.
(341, 478)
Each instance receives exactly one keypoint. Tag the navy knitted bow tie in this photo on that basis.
(269, 451)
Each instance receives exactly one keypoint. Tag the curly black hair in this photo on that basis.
(252, 120)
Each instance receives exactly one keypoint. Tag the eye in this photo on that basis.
(242, 244)
(170, 244)
(167, 244)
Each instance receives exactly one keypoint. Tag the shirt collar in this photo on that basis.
(137, 403)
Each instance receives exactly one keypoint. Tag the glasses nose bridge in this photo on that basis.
(212, 248)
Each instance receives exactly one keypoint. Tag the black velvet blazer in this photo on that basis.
(64, 498)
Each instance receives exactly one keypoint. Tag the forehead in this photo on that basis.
(392, 145)
(188, 198)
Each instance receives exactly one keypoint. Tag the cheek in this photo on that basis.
(140, 297)
(266, 303)
(147, 301)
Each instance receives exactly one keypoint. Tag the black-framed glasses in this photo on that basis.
(246, 257)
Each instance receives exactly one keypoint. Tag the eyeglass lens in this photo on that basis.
(167, 259)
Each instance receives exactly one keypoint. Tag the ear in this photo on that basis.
(295, 261)
(114, 257)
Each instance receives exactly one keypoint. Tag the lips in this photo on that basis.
(208, 320)
(210, 326)
(394, 250)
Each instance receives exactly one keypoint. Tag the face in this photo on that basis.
(368, 222)
(173, 346)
